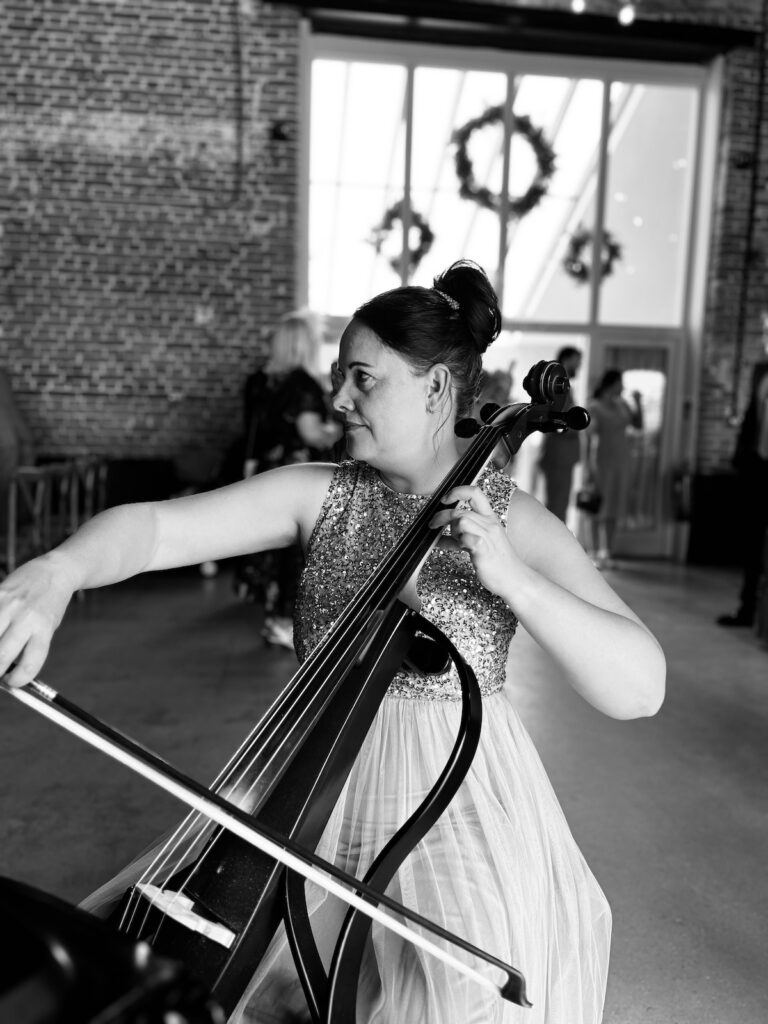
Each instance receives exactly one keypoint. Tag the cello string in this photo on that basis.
(392, 566)
(176, 838)
(166, 851)
(391, 569)
(359, 697)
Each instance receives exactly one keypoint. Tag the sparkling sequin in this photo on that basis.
(360, 521)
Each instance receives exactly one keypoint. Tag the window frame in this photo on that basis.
(512, 63)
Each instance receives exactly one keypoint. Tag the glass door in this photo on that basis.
(649, 376)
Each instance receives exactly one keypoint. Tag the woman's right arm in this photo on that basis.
(270, 510)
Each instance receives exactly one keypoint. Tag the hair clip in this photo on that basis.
(453, 303)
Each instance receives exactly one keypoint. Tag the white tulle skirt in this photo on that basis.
(500, 868)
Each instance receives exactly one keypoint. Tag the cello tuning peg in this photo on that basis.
(545, 381)
(577, 418)
(488, 410)
(466, 427)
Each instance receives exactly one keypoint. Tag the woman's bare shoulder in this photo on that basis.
(306, 481)
(546, 544)
(309, 474)
(524, 510)
(308, 484)
(539, 537)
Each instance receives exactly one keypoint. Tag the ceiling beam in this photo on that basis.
(501, 26)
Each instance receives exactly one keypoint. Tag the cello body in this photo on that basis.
(248, 893)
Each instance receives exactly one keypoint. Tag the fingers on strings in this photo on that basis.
(473, 500)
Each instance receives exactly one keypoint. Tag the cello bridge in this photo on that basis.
(181, 909)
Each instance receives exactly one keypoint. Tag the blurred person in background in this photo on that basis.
(608, 458)
(15, 444)
(287, 421)
(751, 463)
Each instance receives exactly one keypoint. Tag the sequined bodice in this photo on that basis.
(360, 521)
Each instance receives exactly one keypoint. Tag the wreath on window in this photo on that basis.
(545, 163)
(382, 230)
(577, 267)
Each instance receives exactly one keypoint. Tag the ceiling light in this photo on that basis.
(627, 14)
(578, 6)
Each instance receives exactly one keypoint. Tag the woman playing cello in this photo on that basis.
(501, 866)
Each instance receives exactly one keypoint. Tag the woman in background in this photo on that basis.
(608, 458)
(15, 444)
(286, 422)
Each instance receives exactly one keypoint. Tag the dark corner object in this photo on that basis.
(62, 965)
(715, 529)
(503, 26)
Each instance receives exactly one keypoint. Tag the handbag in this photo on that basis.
(589, 499)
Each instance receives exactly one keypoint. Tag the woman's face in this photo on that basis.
(383, 402)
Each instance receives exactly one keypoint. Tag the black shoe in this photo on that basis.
(739, 619)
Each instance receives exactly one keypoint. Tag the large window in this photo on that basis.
(572, 189)
(571, 181)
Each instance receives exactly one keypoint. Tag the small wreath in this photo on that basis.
(545, 163)
(382, 230)
(578, 268)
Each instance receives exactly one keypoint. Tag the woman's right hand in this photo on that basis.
(33, 600)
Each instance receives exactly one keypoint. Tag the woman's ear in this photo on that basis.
(438, 386)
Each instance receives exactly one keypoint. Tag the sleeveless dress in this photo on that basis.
(501, 867)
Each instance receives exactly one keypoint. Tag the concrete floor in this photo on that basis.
(671, 812)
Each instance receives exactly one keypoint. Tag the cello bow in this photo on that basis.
(356, 893)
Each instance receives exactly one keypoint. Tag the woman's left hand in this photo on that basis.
(479, 531)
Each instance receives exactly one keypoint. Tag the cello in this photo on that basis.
(212, 899)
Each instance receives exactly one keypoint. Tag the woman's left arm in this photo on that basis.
(636, 411)
(541, 571)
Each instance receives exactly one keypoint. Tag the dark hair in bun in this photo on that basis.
(452, 323)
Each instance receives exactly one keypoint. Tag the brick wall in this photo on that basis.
(148, 215)
(727, 358)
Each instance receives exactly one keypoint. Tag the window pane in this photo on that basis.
(536, 286)
(357, 183)
(356, 174)
(445, 100)
(650, 169)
